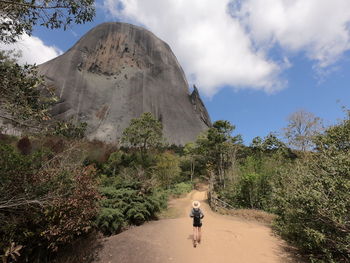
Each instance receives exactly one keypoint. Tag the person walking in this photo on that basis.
(197, 215)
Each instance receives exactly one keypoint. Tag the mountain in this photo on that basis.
(116, 72)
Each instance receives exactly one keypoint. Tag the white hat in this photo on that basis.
(196, 204)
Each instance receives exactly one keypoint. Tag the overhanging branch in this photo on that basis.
(31, 5)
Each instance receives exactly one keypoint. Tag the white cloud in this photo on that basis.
(228, 42)
(320, 28)
(33, 49)
(212, 46)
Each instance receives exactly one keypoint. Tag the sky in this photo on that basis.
(255, 62)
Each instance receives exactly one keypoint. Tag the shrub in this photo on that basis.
(254, 190)
(180, 189)
(45, 202)
(253, 186)
(24, 145)
(125, 204)
(69, 129)
(110, 220)
(313, 198)
(167, 169)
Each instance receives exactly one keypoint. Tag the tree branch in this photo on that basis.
(18, 122)
(22, 202)
(32, 6)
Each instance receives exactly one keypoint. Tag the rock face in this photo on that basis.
(116, 72)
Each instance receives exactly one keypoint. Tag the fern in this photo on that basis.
(125, 204)
(110, 220)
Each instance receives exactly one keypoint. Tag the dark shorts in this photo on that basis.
(197, 224)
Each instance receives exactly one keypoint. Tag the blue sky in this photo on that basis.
(254, 64)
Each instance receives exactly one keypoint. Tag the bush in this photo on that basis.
(45, 202)
(180, 189)
(110, 220)
(167, 169)
(125, 204)
(313, 199)
(254, 191)
(69, 129)
(253, 186)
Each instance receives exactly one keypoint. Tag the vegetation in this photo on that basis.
(219, 150)
(20, 16)
(123, 205)
(69, 129)
(307, 190)
(167, 169)
(57, 188)
(144, 133)
(313, 203)
(302, 127)
(46, 200)
(23, 93)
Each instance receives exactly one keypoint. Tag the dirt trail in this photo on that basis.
(224, 239)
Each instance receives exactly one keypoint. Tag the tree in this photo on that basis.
(313, 199)
(143, 133)
(270, 146)
(302, 127)
(167, 169)
(220, 147)
(20, 16)
(22, 91)
(190, 151)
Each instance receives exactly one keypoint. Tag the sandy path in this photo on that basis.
(224, 239)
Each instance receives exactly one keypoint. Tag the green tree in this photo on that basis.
(270, 145)
(144, 133)
(20, 16)
(313, 198)
(220, 148)
(167, 169)
(190, 150)
(23, 93)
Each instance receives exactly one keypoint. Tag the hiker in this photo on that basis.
(197, 215)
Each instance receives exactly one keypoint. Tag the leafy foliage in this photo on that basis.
(313, 202)
(180, 189)
(69, 129)
(124, 204)
(143, 133)
(45, 202)
(22, 91)
(219, 149)
(20, 16)
(167, 169)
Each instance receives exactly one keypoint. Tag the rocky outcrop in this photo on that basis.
(199, 106)
(116, 72)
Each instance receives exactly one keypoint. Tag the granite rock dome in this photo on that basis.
(116, 72)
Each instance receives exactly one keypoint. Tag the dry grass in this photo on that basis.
(250, 214)
(171, 212)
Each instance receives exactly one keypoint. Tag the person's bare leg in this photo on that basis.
(194, 235)
(199, 235)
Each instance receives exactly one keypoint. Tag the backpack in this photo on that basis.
(197, 216)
